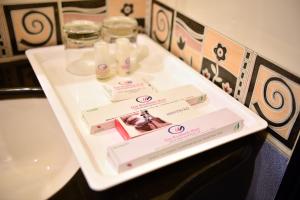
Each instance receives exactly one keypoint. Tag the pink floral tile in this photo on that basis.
(274, 94)
(161, 24)
(131, 8)
(84, 10)
(221, 49)
(187, 40)
(222, 60)
(219, 75)
(32, 25)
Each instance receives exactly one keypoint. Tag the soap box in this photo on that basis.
(126, 88)
(148, 120)
(102, 118)
(173, 138)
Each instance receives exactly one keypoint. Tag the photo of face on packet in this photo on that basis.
(152, 119)
(143, 121)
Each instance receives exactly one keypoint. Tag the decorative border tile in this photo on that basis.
(245, 76)
(84, 10)
(222, 60)
(162, 24)
(32, 25)
(187, 40)
(274, 94)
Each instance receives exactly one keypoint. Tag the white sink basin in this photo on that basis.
(35, 158)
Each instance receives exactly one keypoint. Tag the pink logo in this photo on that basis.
(102, 67)
(176, 129)
(126, 65)
(144, 99)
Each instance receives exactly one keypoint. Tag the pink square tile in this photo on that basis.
(222, 60)
(274, 94)
(221, 49)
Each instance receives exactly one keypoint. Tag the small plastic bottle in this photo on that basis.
(137, 55)
(103, 61)
(124, 49)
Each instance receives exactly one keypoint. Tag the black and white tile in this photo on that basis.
(32, 25)
(162, 24)
(274, 94)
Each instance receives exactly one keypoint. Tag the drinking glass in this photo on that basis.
(119, 27)
(79, 39)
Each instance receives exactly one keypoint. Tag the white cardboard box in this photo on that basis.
(102, 118)
(120, 89)
(172, 138)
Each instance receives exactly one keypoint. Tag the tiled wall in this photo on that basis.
(265, 87)
(37, 23)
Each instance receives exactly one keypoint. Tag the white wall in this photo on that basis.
(269, 27)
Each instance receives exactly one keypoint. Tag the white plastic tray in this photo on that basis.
(68, 95)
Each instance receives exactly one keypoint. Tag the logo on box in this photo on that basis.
(126, 82)
(176, 129)
(144, 99)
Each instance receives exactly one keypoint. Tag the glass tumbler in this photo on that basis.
(79, 39)
(119, 27)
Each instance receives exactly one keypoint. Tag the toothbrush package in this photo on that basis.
(173, 138)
